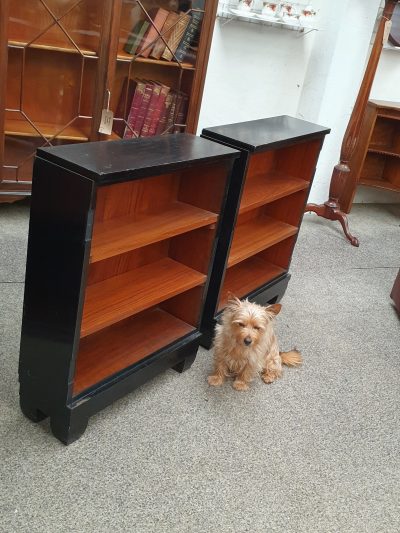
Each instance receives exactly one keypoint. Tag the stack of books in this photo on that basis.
(180, 33)
(149, 108)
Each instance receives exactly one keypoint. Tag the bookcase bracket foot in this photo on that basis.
(68, 428)
(186, 363)
(30, 410)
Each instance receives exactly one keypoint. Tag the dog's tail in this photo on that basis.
(292, 358)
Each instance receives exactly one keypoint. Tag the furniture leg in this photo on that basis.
(186, 363)
(30, 410)
(68, 426)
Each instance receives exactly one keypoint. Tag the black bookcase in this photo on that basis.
(277, 165)
(122, 247)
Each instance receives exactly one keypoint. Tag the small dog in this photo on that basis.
(245, 345)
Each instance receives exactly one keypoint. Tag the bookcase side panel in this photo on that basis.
(59, 233)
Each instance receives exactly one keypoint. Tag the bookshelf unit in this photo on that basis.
(278, 160)
(121, 241)
(62, 59)
(376, 159)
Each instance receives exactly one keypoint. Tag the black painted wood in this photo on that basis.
(265, 134)
(114, 161)
(65, 182)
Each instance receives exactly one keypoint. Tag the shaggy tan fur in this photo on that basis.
(245, 345)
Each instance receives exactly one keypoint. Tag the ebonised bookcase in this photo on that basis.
(277, 164)
(122, 239)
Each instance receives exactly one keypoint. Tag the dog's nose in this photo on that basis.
(247, 341)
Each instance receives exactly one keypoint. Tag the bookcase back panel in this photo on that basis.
(32, 21)
(299, 160)
(186, 306)
(193, 249)
(289, 209)
(386, 134)
(121, 263)
(279, 254)
(374, 166)
(392, 171)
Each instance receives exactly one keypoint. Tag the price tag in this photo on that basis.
(107, 117)
(386, 32)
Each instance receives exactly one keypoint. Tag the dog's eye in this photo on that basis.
(257, 327)
(241, 324)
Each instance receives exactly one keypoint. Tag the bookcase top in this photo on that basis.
(265, 133)
(114, 161)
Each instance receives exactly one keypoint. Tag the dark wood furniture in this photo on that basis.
(376, 158)
(395, 294)
(61, 59)
(278, 160)
(342, 179)
(122, 238)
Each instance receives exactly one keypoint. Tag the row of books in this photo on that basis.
(150, 108)
(179, 30)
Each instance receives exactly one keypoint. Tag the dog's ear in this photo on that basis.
(233, 302)
(273, 309)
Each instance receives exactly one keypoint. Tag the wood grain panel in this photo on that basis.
(289, 209)
(120, 235)
(186, 306)
(245, 277)
(103, 354)
(299, 160)
(114, 299)
(266, 188)
(256, 235)
(260, 163)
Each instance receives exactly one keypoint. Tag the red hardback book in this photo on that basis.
(162, 123)
(134, 110)
(172, 113)
(150, 110)
(159, 18)
(158, 110)
(141, 115)
(123, 107)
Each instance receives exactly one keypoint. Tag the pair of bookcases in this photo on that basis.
(134, 246)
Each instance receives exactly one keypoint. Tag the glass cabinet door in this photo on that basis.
(155, 66)
(53, 62)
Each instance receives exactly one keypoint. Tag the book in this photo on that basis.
(176, 36)
(133, 36)
(158, 109)
(166, 30)
(162, 123)
(144, 25)
(159, 17)
(169, 125)
(150, 109)
(124, 105)
(142, 111)
(190, 36)
(181, 110)
(134, 110)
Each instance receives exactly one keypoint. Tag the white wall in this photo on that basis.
(257, 71)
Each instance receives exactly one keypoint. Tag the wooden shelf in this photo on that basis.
(380, 184)
(257, 235)
(119, 297)
(103, 354)
(265, 188)
(22, 128)
(52, 46)
(247, 276)
(121, 235)
(123, 56)
(384, 151)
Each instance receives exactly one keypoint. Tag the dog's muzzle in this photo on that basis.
(247, 341)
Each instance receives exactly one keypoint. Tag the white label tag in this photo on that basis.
(386, 32)
(107, 117)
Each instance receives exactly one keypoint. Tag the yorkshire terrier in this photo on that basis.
(245, 345)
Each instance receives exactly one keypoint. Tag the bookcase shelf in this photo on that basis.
(124, 295)
(265, 188)
(53, 46)
(113, 349)
(22, 128)
(256, 235)
(123, 56)
(121, 235)
(121, 246)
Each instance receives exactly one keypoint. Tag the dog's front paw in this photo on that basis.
(215, 380)
(240, 385)
(268, 377)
